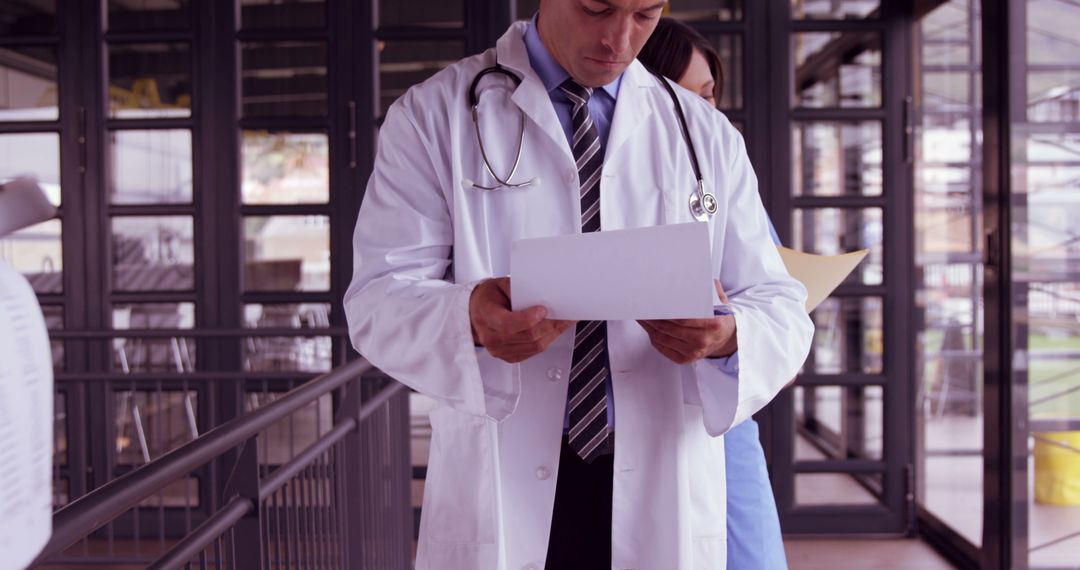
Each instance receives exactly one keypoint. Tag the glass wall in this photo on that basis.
(841, 201)
(1046, 269)
(955, 487)
(948, 258)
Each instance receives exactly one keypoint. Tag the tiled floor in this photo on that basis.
(863, 554)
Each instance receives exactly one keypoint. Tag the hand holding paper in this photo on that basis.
(511, 336)
(686, 340)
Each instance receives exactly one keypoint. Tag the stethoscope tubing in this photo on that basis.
(702, 203)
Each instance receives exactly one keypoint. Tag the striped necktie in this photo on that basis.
(589, 436)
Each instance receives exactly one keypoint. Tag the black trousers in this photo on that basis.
(581, 522)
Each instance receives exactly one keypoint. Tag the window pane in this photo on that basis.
(730, 48)
(285, 168)
(150, 167)
(836, 159)
(849, 421)
(305, 354)
(135, 354)
(1052, 67)
(834, 69)
(848, 337)
(286, 253)
(428, 13)
(707, 10)
(32, 154)
(28, 83)
(291, 315)
(948, 264)
(54, 321)
(525, 9)
(149, 80)
(148, 15)
(28, 18)
(827, 405)
(831, 489)
(278, 14)
(283, 79)
(153, 253)
(60, 439)
(153, 316)
(947, 170)
(36, 252)
(61, 489)
(1045, 288)
(152, 423)
(834, 9)
(285, 439)
(832, 231)
(403, 64)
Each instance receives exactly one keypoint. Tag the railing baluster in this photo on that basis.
(320, 499)
(244, 482)
(277, 530)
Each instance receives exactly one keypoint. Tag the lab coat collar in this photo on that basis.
(631, 108)
(531, 96)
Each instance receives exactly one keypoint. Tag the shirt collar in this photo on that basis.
(551, 73)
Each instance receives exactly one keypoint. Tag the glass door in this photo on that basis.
(842, 462)
(1045, 275)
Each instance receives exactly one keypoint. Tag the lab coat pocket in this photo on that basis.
(459, 504)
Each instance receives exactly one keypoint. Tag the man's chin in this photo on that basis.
(597, 80)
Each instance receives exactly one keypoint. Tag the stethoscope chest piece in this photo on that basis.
(702, 204)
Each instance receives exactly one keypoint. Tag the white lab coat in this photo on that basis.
(425, 237)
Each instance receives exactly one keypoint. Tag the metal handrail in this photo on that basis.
(99, 334)
(98, 507)
(238, 506)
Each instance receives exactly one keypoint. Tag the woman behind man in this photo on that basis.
(680, 53)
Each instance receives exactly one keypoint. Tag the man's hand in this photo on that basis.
(686, 340)
(509, 335)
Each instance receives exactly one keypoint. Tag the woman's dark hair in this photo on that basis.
(670, 48)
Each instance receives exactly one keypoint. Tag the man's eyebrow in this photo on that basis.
(656, 6)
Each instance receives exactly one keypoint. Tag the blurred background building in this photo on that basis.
(208, 158)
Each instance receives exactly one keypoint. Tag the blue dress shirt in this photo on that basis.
(601, 109)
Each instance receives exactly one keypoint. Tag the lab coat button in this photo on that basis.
(571, 176)
(543, 473)
(530, 567)
(554, 373)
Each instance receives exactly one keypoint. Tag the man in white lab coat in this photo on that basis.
(566, 445)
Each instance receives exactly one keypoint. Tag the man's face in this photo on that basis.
(596, 40)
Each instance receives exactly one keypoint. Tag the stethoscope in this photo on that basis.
(702, 203)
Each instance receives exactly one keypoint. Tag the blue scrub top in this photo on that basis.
(753, 525)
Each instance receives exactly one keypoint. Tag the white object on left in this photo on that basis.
(26, 393)
(22, 204)
(26, 423)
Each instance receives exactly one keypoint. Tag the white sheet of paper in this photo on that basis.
(26, 423)
(659, 272)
